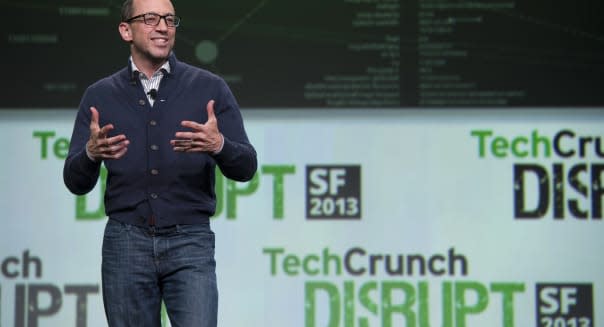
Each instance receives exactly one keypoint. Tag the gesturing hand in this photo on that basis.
(99, 146)
(203, 137)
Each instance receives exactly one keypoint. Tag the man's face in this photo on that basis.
(151, 43)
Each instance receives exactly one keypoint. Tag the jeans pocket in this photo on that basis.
(114, 229)
(198, 236)
(195, 230)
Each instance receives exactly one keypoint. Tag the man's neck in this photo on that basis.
(147, 67)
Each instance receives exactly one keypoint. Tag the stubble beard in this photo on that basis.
(152, 58)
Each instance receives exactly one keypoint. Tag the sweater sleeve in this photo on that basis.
(80, 174)
(237, 160)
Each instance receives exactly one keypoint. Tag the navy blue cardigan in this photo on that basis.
(181, 188)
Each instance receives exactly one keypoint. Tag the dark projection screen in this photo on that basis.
(327, 54)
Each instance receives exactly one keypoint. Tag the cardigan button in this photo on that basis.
(153, 123)
(141, 102)
(153, 195)
(154, 172)
(154, 147)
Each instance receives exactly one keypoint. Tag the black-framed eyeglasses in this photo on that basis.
(153, 19)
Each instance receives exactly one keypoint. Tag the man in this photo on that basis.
(160, 127)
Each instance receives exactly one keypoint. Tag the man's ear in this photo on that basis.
(125, 31)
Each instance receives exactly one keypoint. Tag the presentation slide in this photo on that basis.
(327, 54)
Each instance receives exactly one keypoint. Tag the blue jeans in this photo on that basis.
(144, 265)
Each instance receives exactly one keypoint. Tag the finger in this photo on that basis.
(195, 148)
(94, 119)
(116, 139)
(185, 135)
(103, 146)
(181, 142)
(114, 148)
(121, 153)
(105, 130)
(116, 154)
(210, 109)
(192, 125)
(181, 148)
(180, 145)
(94, 124)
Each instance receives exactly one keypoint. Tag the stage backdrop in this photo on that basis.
(355, 218)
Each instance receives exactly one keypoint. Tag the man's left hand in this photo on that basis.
(203, 137)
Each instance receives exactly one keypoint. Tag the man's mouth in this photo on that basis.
(160, 40)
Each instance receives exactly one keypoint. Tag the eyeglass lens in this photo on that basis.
(153, 19)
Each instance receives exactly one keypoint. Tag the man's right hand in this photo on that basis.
(99, 146)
